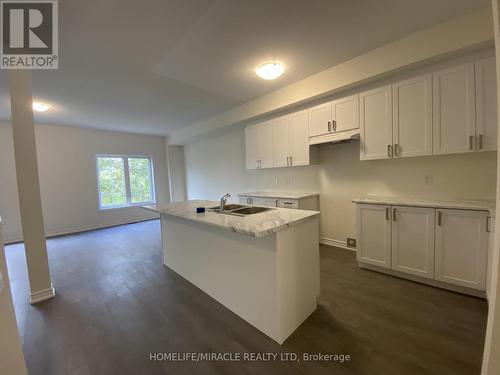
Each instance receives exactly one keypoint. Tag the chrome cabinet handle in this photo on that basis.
(387, 213)
(334, 125)
(440, 218)
(394, 214)
(480, 141)
(389, 151)
(290, 161)
(471, 142)
(488, 224)
(329, 126)
(397, 150)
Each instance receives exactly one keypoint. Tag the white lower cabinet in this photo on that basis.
(447, 245)
(258, 201)
(413, 240)
(462, 247)
(374, 235)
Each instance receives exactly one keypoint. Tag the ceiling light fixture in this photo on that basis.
(270, 70)
(40, 107)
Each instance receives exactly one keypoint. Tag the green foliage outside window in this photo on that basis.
(114, 186)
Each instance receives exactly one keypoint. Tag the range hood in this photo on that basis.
(339, 137)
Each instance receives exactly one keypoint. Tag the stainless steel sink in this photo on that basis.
(227, 207)
(250, 210)
(239, 209)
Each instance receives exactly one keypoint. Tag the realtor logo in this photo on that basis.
(29, 35)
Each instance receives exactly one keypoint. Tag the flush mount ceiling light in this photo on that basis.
(270, 70)
(40, 107)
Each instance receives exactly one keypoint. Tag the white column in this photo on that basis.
(28, 185)
(11, 354)
(176, 173)
(491, 358)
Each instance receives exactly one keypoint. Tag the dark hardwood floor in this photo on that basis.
(116, 303)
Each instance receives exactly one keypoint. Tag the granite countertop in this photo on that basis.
(462, 204)
(257, 225)
(278, 194)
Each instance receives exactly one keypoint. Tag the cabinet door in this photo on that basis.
(287, 203)
(374, 235)
(258, 201)
(281, 141)
(461, 247)
(454, 119)
(270, 202)
(412, 116)
(345, 113)
(486, 105)
(266, 145)
(245, 200)
(376, 124)
(299, 138)
(252, 146)
(320, 118)
(413, 240)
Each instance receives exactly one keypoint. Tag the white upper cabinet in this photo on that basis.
(454, 118)
(333, 117)
(412, 117)
(266, 145)
(486, 105)
(345, 113)
(376, 124)
(259, 146)
(281, 141)
(299, 138)
(461, 247)
(252, 147)
(291, 140)
(320, 119)
(413, 240)
(374, 234)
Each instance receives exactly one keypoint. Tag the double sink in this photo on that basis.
(239, 209)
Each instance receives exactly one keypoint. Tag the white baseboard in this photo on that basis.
(73, 230)
(42, 295)
(336, 243)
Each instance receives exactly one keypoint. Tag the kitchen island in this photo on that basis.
(264, 267)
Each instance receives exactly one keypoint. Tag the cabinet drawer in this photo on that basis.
(288, 203)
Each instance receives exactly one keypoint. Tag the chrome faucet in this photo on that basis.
(223, 201)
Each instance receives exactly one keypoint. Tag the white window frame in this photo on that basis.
(127, 181)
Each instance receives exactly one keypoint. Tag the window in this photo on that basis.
(124, 181)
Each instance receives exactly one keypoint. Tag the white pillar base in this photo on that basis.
(42, 295)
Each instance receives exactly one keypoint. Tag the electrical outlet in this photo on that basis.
(428, 179)
(351, 242)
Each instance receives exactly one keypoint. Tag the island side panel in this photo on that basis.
(237, 270)
(298, 275)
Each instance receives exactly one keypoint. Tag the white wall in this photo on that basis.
(342, 177)
(176, 172)
(11, 354)
(217, 165)
(445, 39)
(66, 162)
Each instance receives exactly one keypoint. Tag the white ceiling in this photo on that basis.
(155, 66)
